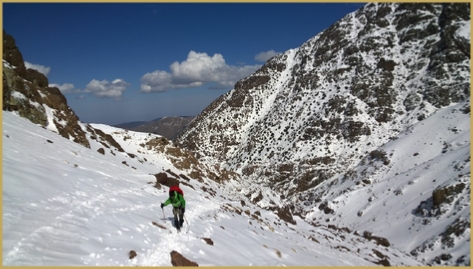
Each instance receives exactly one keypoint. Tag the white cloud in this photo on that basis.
(41, 68)
(107, 89)
(265, 55)
(196, 70)
(64, 88)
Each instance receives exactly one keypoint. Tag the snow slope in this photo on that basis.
(431, 155)
(65, 204)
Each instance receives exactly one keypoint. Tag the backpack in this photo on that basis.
(176, 188)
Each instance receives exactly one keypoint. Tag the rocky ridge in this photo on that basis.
(358, 84)
(314, 123)
(27, 91)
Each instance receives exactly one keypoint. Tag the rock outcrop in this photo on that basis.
(27, 92)
(178, 260)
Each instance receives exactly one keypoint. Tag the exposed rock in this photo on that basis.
(457, 229)
(284, 213)
(105, 139)
(132, 254)
(383, 262)
(163, 179)
(184, 177)
(326, 208)
(36, 77)
(159, 225)
(27, 92)
(446, 194)
(208, 241)
(178, 260)
(12, 55)
(379, 240)
(379, 155)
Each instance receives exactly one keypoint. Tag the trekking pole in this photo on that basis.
(187, 226)
(164, 217)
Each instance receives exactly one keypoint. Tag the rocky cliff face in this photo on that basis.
(27, 92)
(314, 111)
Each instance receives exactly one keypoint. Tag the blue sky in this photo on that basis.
(122, 62)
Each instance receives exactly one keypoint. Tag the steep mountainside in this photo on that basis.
(168, 127)
(314, 111)
(316, 124)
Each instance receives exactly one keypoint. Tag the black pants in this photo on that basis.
(178, 217)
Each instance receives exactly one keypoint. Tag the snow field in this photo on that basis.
(67, 205)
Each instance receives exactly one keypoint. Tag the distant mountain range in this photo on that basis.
(168, 127)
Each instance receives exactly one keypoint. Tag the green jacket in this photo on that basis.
(177, 200)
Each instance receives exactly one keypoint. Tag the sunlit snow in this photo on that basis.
(64, 204)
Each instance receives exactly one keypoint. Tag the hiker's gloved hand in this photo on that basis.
(183, 210)
(162, 205)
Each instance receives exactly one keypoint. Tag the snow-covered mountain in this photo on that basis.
(65, 204)
(89, 194)
(353, 149)
(372, 108)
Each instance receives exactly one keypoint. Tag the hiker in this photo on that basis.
(176, 198)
